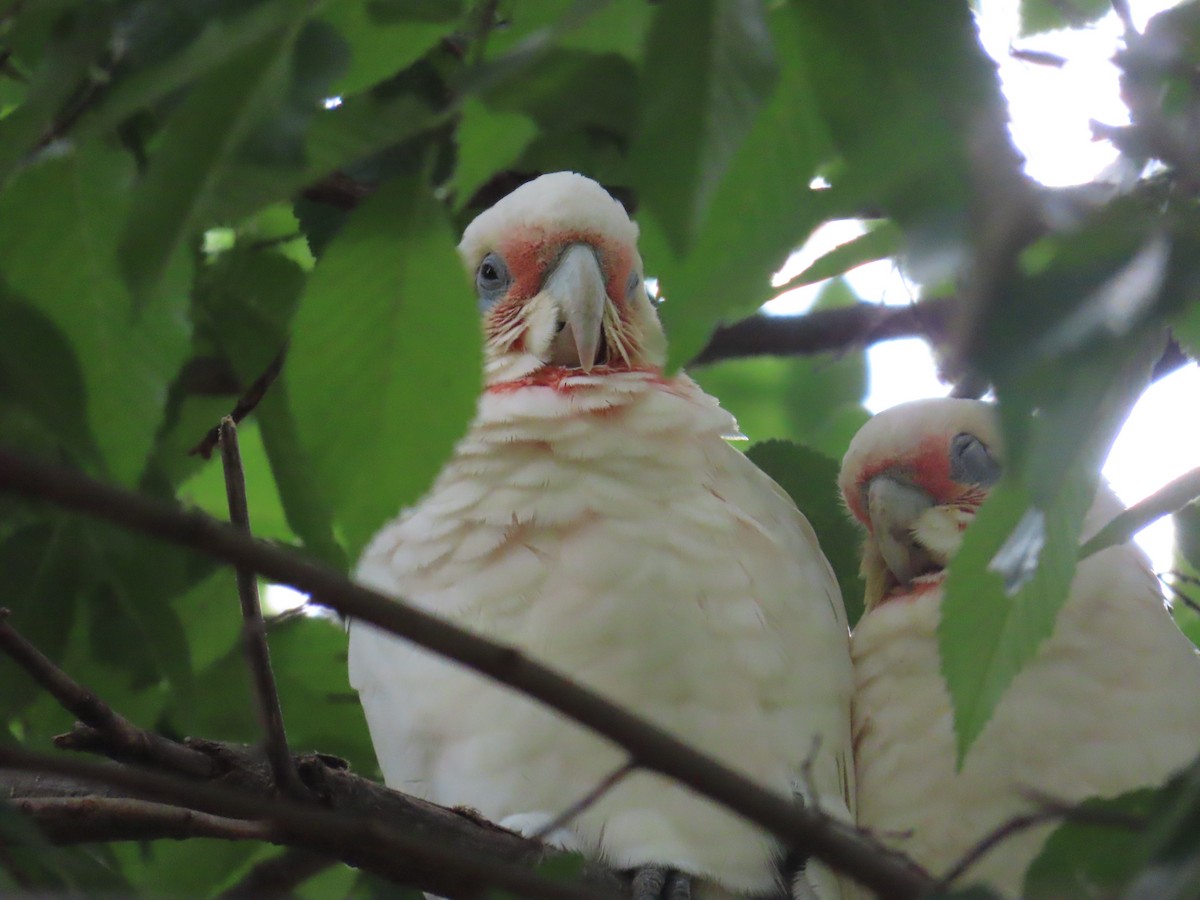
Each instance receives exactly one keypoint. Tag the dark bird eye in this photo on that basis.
(492, 280)
(632, 285)
(971, 462)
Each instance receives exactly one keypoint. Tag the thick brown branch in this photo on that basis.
(808, 831)
(121, 735)
(254, 631)
(361, 841)
(826, 330)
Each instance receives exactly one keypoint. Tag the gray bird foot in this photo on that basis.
(660, 883)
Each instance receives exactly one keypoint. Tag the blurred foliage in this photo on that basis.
(169, 226)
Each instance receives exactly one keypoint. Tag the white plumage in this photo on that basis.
(596, 518)
(1111, 701)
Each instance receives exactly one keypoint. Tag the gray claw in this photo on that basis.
(656, 882)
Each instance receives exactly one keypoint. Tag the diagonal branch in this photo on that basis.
(361, 841)
(254, 631)
(70, 810)
(279, 875)
(122, 737)
(827, 330)
(838, 845)
(1173, 496)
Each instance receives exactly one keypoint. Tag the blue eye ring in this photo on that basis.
(492, 280)
(971, 462)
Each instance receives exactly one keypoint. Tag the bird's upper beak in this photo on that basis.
(576, 287)
(894, 507)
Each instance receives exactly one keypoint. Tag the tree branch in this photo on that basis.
(254, 631)
(279, 875)
(1170, 498)
(81, 820)
(838, 845)
(1049, 811)
(125, 738)
(361, 841)
(826, 330)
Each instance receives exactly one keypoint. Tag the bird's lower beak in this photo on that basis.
(894, 507)
(577, 288)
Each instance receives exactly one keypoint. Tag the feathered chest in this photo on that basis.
(591, 481)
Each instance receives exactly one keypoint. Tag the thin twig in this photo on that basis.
(279, 875)
(840, 846)
(359, 840)
(120, 734)
(246, 404)
(580, 806)
(1049, 811)
(254, 631)
(1170, 498)
(1125, 14)
(72, 820)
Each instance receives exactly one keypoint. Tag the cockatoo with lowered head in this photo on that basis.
(1109, 703)
(596, 518)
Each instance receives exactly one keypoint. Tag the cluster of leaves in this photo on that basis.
(182, 200)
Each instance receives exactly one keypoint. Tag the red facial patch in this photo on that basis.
(927, 467)
(529, 253)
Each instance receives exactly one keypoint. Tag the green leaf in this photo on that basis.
(710, 69)
(1186, 328)
(410, 11)
(881, 241)
(810, 478)
(1095, 858)
(211, 39)
(305, 497)
(901, 150)
(211, 617)
(987, 633)
(134, 627)
(384, 365)
(1051, 15)
(1170, 842)
(40, 379)
(58, 252)
(244, 302)
(45, 571)
(1187, 534)
(322, 712)
(488, 142)
(762, 209)
(359, 127)
(31, 862)
(383, 40)
(173, 202)
(68, 46)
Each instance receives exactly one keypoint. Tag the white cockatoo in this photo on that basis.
(1110, 702)
(596, 518)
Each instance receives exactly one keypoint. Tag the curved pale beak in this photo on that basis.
(576, 285)
(894, 507)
